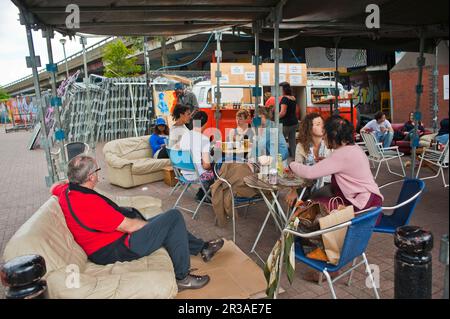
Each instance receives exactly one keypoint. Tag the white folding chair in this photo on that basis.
(436, 158)
(380, 155)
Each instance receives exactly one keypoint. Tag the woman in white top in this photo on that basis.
(181, 115)
(310, 150)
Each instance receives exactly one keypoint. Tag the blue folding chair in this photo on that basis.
(406, 203)
(356, 240)
(236, 202)
(182, 161)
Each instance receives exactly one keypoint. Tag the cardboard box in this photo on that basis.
(233, 276)
(169, 176)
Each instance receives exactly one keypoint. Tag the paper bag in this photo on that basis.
(333, 241)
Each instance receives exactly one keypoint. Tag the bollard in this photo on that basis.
(22, 277)
(412, 271)
(443, 258)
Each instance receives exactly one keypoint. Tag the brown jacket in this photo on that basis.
(234, 173)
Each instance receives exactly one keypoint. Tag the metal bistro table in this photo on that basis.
(275, 208)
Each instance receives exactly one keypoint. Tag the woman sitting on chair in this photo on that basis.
(310, 150)
(159, 139)
(242, 130)
(348, 165)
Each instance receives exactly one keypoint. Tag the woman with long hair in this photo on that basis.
(159, 139)
(310, 150)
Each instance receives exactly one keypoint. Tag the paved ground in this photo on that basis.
(23, 191)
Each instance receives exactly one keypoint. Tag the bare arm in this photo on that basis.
(206, 163)
(283, 110)
(130, 225)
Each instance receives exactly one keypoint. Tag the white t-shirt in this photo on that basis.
(176, 132)
(375, 126)
(197, 143)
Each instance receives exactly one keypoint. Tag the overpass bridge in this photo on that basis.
(179, 50)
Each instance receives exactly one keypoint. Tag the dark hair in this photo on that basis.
(379, 115)
(158, 132)
(305, 136)
(339, 131)
(200, 116)
(178, 110)
(287, 90)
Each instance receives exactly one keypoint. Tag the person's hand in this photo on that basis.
(291, 197)
(382, 129)
(318, 159)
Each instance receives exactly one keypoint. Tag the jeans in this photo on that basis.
(442, 139)
(385, 138)
(168, 230)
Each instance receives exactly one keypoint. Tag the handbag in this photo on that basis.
(308, 214)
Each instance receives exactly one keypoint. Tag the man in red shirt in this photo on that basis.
(109, 233)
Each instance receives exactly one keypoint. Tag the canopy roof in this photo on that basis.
(310, 23)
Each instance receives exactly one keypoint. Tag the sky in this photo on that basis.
(14, 46)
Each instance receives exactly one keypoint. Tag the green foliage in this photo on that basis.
(3, 95)
(117, 61)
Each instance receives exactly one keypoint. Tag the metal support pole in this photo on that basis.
(147, 79)
(50, 179)
(419, 91)
(90, 136)
(336, 76)
(257, 63)
(218, 94)
(436, 89)
(49, 35)
(276, 55)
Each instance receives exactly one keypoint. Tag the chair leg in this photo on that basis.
(420, 166)
(234, 221)
(181, 195)
(369, 272)
(201, 202)
(330, 283)
(349, 282)
(175, 188)
(378, 170)
(443, 177)
(260, 232)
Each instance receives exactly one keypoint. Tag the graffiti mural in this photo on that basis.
(20, 110)
(367, 88)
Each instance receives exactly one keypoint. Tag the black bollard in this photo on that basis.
(22, 277)
(412, 271)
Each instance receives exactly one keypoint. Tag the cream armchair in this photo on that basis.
(130, 162)
(69, 273)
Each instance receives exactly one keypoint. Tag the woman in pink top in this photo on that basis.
(351, 177)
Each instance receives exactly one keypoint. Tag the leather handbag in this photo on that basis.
(309, 214)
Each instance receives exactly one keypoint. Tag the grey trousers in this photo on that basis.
(168, 230)
(289, 132)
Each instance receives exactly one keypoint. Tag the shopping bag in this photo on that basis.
(334, 241)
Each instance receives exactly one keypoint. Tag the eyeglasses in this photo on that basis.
(98, 169)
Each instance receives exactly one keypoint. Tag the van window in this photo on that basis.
(201, 95)
(208, 97)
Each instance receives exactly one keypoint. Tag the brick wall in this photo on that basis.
(404, 94)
